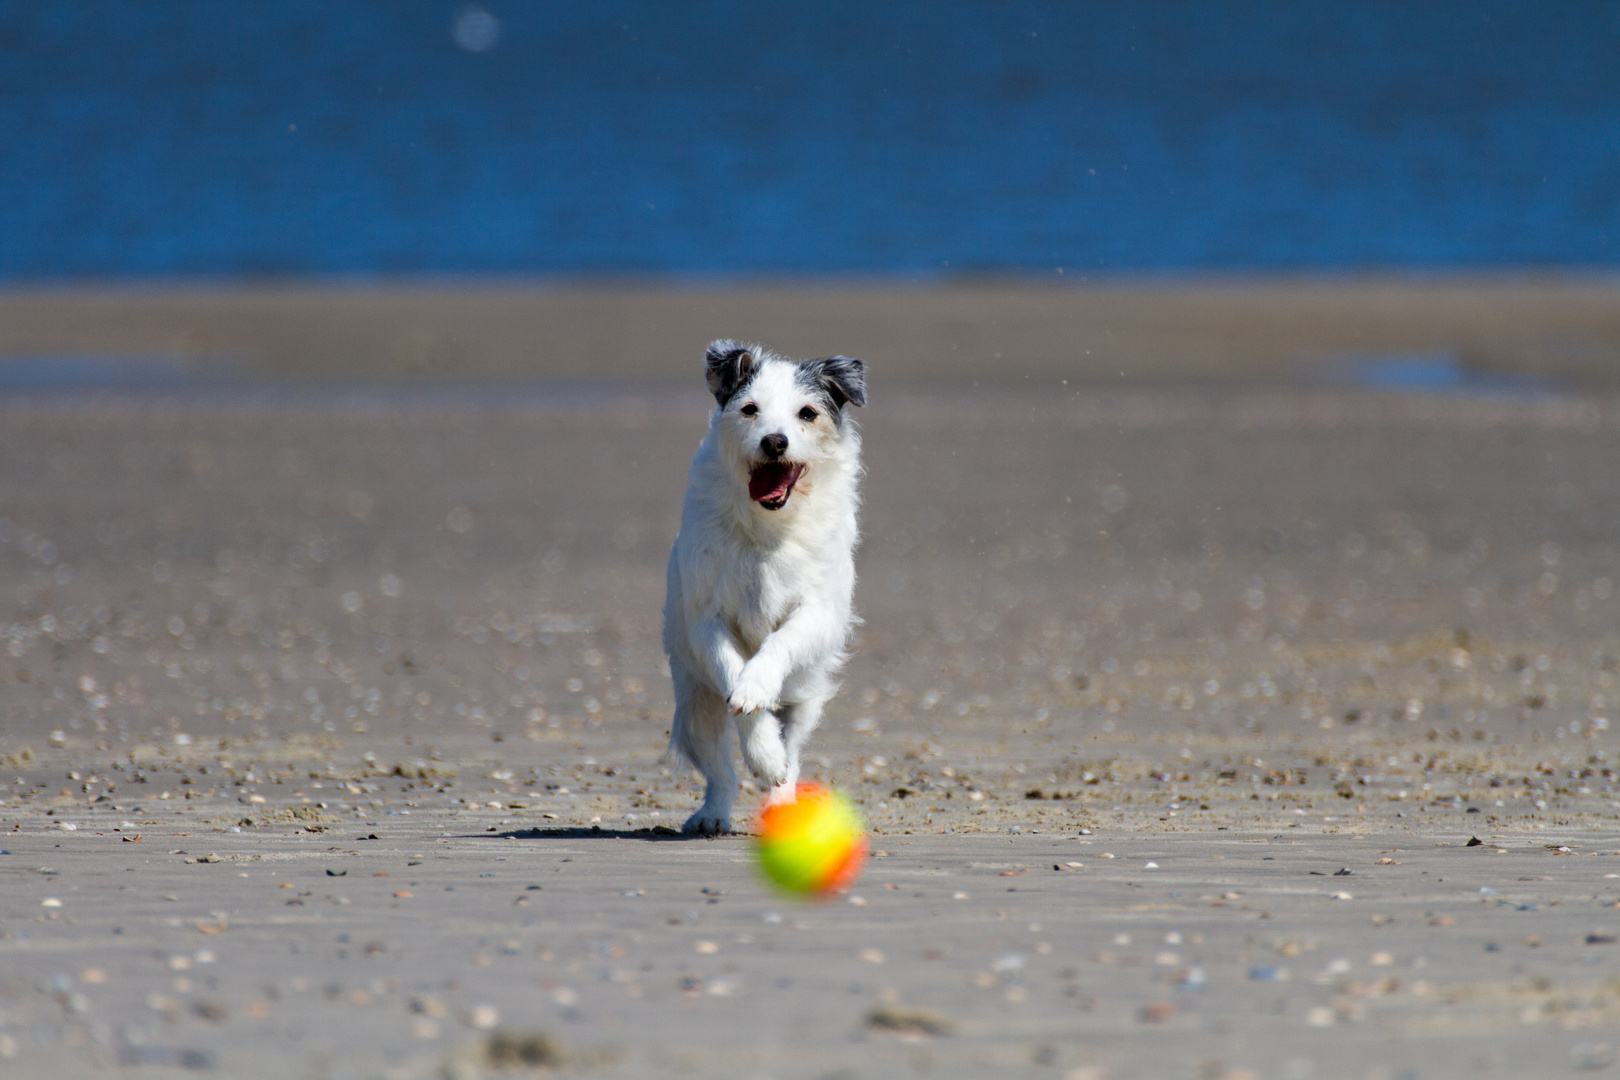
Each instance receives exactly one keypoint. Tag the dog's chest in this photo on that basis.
(761, 591)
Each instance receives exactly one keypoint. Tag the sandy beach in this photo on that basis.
(1241, 730)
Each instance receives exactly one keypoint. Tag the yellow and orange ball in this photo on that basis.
(813, 846)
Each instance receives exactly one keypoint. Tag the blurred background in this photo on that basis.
(926, 141)
(1188, 189)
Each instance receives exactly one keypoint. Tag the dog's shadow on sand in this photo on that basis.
(656, 833)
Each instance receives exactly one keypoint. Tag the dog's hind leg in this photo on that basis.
(760, 734)
(798, 719)
(699, 735)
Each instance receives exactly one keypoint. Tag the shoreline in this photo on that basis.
(1202, 330)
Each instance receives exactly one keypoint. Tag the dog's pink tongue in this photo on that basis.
(769, 482)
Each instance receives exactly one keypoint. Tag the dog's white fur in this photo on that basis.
(760, 600)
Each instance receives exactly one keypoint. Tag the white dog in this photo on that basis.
(762, 575)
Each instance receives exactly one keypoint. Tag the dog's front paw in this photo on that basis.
(763, 752)
(752, 693)
(707, 823)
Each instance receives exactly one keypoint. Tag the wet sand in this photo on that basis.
(1218, 330)
(331, 731)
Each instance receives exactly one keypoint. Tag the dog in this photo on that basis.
(762, 572)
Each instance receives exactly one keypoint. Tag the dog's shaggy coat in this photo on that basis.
(762, 575)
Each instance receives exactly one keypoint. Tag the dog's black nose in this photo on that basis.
(774, 446)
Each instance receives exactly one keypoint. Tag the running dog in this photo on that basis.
(762, 574)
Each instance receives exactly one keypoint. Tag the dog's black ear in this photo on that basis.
(841, 378)
(728, 366)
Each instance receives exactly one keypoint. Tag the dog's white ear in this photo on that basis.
(728, 366)
(841, 378)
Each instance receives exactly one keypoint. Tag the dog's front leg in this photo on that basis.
(760, 736)
(802, 637)
(717, 651)
(757, 730)
(798, 721)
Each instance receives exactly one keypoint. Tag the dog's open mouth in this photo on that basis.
(771, 482)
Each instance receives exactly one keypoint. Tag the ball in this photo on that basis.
(813, 846)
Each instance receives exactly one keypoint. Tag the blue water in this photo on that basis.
(1430, 373)
(253, 138)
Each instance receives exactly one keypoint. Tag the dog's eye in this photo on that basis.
(807, 414)
(749, 409)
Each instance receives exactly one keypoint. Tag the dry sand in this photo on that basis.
(330, 730)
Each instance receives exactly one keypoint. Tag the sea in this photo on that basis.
(357, 139)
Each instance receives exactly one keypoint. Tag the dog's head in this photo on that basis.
(780, 420)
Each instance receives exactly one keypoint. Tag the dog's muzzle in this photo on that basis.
(771, 482)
